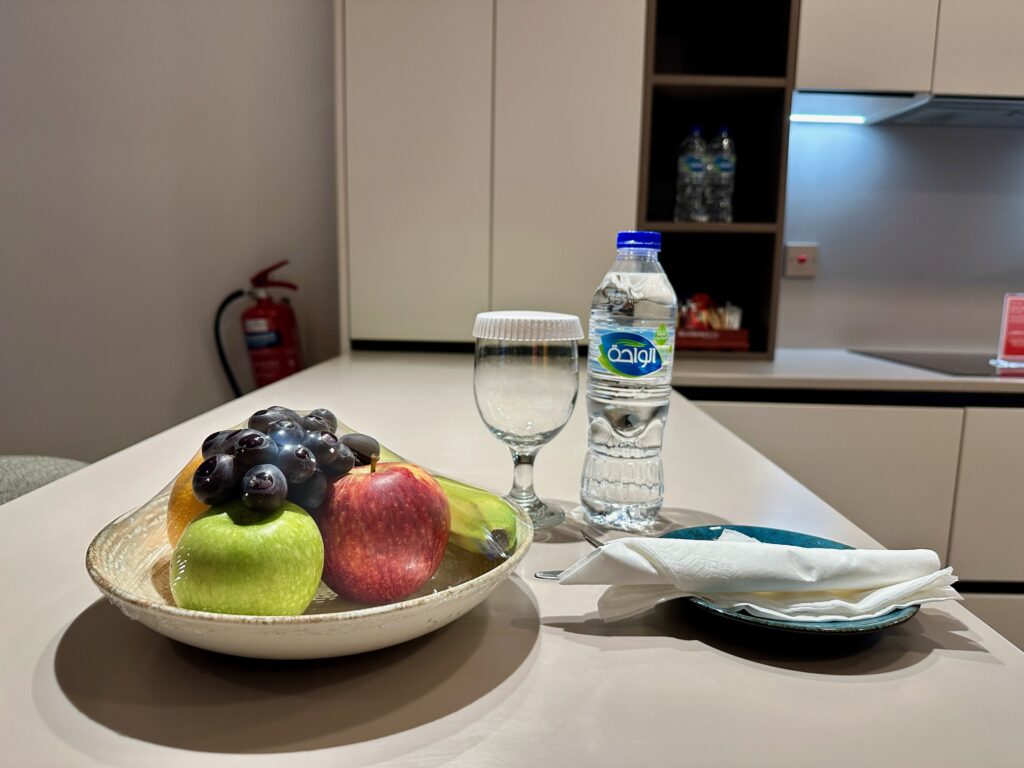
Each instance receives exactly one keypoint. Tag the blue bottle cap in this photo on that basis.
(639, 239)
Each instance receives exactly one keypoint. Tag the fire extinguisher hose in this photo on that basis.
(220, 344)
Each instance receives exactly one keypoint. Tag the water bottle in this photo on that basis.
(629, 378)
(691, 178)
(721, 177)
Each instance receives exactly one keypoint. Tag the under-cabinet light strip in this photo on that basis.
(848, 119)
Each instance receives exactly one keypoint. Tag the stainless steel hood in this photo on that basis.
(907, 109)
(963, 112)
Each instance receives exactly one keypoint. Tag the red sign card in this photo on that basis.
(1011, 337)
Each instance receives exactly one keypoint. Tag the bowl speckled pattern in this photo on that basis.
(128, 561)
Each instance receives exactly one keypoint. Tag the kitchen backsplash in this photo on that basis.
(921, 233)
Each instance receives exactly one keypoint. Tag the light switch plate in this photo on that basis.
(801, 260)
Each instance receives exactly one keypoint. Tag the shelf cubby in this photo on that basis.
(753, 117)
(697, 37)
(741, 79)
(719, 81)
(734, 268)
(730, 227)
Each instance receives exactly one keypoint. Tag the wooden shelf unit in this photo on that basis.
(694, 39)
(745, 84)
(719, 81)
(711, 226)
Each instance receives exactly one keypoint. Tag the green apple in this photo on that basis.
(231, 559)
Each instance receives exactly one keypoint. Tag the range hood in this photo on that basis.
(907, 109)
(963, 112)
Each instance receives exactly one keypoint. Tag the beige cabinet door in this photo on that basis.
(568, 94)
(987, 541)
(1003, 612)
(980, 48)
(418, 150)
(891, 470)
(866, 45)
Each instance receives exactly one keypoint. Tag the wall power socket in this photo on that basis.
(801, 260)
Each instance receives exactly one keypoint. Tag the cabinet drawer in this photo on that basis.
(567, 114)
(891, 470)
(866, 45)
(1004, 613)
(418, 150)
(987, 540)
(980, 48)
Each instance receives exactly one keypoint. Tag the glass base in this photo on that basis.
(542, 514)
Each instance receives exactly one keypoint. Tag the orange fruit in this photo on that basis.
(183, 507)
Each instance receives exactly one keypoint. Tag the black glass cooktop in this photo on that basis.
(951, 363)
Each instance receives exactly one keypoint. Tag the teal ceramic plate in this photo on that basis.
(777, 536)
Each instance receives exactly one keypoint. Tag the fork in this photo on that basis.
(553, 575)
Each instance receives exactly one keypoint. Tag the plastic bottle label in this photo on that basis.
(693, 163)
(634, 353)
(724, 165)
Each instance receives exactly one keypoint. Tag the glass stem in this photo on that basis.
(522, 479)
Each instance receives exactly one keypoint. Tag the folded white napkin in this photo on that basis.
(771, 580)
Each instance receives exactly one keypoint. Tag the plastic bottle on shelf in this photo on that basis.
(721, 177)
(691, 178)
(629, 378)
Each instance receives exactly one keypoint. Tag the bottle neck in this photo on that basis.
(636, 254)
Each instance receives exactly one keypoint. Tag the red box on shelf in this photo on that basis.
(738, 341)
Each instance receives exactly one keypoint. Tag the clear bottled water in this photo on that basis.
(629, 378)
(721, 177)
(691, 178)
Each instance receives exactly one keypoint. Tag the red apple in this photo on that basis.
(385, 529)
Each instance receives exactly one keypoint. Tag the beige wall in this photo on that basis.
(152, 156)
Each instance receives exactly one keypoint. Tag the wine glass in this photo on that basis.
(525, 379)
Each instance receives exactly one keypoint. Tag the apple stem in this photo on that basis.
(373, 463)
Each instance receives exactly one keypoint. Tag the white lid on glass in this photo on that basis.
(521, 325)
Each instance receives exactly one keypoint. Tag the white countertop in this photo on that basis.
(530, 678)
(830, 369)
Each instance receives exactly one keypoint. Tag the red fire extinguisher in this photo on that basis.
(271, 333)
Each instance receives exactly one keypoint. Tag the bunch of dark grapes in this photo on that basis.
(279, 455)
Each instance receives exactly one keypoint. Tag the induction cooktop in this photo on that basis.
(950, 363)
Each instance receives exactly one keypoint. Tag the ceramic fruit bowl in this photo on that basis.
(129, 561)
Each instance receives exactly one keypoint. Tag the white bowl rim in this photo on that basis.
(116, 593)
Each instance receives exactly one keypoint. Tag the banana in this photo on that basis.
(482, 522)
(386, 454)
